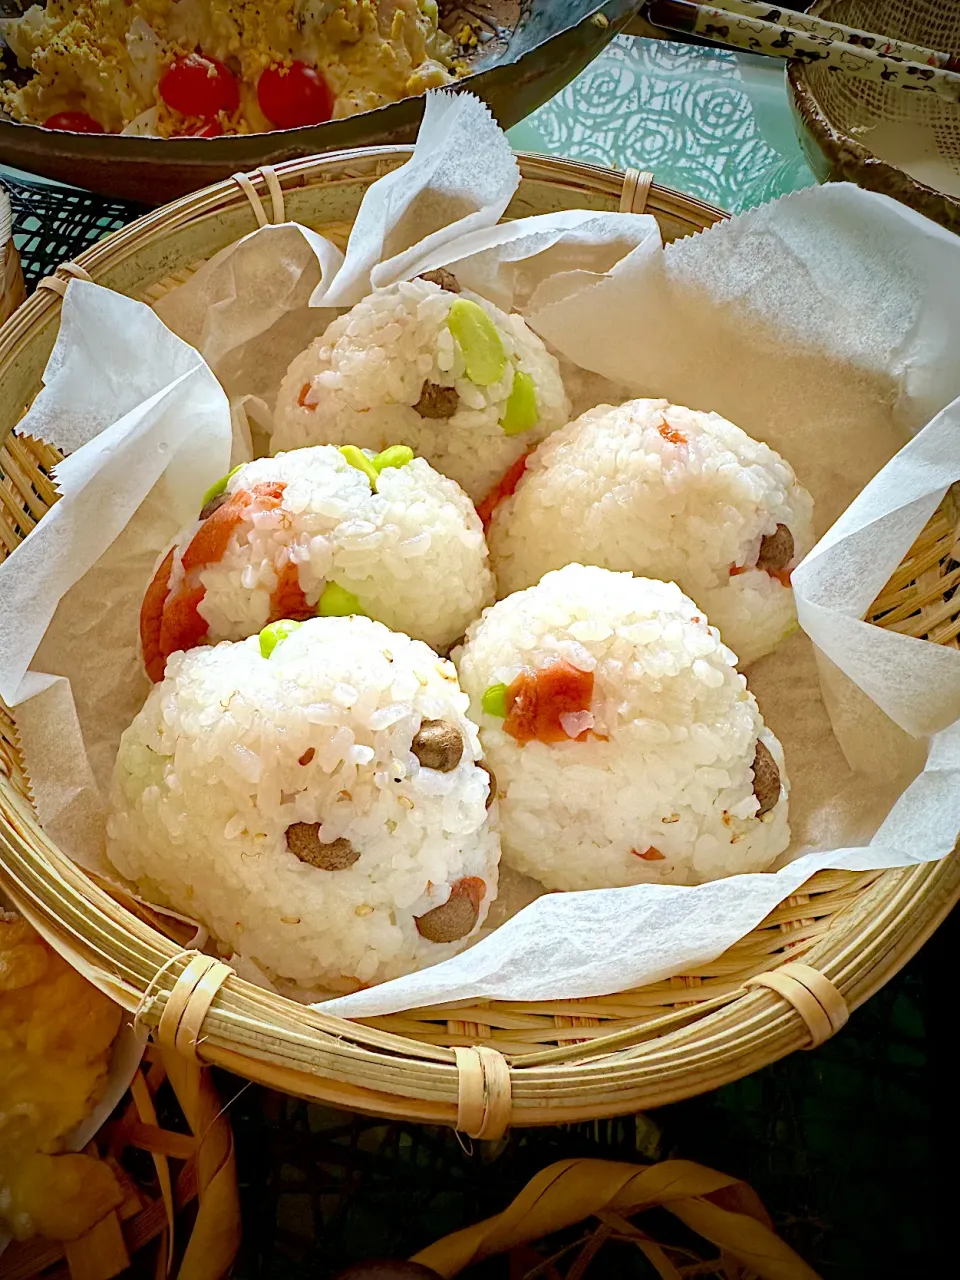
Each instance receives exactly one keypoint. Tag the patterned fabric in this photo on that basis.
(837, 57)
(709, 122)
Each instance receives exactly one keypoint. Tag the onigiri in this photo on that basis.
(421, 363)
(625, 743)
(321, 530)
(670, 493)
(315, 796)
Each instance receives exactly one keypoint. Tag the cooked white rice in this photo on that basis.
(359, 383)
(661, 788)
(667, 492)
(232, 749)
(412, 552)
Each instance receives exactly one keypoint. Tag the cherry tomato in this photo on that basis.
(74, 122)
(199, 86)
(291, 97)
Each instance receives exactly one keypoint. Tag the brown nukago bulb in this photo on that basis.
(303, 841)
(492, 793)
(388, 1269)
(766, 780)
(776, 550)
(457, 916)
(437, 402)
(443, 278)
(438, 745)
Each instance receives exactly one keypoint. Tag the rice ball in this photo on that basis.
(322, 809)
(625, 744)
(326, 531)
(421, 363)
(670, 493)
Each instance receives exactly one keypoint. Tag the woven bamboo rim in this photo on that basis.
(845, 934)
(12, 288)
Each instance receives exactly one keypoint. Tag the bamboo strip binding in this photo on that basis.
(188, 1004)
(564, 1060)
(269, 175)
(636, 191)
(64, 273)
(484, 1092)
(815, 998)
(572, 1190)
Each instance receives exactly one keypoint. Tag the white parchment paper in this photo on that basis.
(258, 303)
(824, 324)
(249, 344)
(146, 427)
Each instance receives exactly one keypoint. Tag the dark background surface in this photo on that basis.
(853, 1148)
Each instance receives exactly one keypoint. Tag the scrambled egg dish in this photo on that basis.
(203, 68)
(56, 1032)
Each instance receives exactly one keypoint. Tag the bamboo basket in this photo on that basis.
(476, 1065)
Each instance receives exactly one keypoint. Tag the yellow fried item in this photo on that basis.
(61, 1197)
(56, 1031)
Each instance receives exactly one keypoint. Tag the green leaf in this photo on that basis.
(215, 490)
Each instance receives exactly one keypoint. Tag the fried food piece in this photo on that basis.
(56, 1033)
